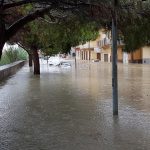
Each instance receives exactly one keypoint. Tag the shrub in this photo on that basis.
(12, 55)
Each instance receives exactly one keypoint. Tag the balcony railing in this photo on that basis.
(108, 42)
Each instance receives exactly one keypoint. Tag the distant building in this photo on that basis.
(100, 49)
(141, 55)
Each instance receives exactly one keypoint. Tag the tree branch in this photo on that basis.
(21, 22)
(1, 4)
(19, 3)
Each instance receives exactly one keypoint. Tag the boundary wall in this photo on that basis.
(10, 69)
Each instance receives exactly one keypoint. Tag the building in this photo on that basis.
(89, 51)
(141, 55)
(100, 49)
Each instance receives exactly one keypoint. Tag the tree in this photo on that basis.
(29, 39)
(136, 35)
(71, 32)
(134, 25)
(101, 10)
(53, 38)
(40, 7)
(77, 32)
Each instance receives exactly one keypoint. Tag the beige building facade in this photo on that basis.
(100, 49)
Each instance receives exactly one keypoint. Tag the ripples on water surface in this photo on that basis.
(68, 109)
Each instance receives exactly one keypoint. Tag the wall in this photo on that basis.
(136, 56)
(7, 70)
(120, 54)
(93, 55)
(105, 51)
(93, 43)
(146, 55)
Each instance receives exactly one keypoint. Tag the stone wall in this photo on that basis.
(10, 69)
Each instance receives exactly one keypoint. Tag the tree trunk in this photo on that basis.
(1, 47)
(2, 36)
(36, 62)
(30, 60)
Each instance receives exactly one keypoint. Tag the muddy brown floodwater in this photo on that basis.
(68, 109)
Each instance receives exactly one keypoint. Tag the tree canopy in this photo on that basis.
(129, 13)
(53, 38)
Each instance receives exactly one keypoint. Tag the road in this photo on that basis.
(68, 109)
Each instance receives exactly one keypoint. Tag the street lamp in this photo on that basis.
(114, 59)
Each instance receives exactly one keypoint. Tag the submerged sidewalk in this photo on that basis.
(68, 109)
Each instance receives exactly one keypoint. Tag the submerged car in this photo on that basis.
(95, 60)
(64, 64)
(54, 61)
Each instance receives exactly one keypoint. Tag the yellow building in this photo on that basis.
(141, 55)
(146, 54)
(100, 49)
(89, 50)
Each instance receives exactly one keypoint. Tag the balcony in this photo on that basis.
(104, 43)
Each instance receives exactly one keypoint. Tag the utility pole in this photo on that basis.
(75, 59)
(114, 59)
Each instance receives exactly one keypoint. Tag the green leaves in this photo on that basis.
(12, 55)
(75, 32)
(137, 35)
(60, 37)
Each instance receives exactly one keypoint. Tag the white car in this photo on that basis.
(64, 65)
(54, 61)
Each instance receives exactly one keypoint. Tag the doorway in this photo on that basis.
(105, 57)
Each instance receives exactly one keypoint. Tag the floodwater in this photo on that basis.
(68, 109)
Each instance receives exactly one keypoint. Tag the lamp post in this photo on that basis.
(75, 59)
(114, 59)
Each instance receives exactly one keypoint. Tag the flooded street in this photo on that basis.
(68, 109)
